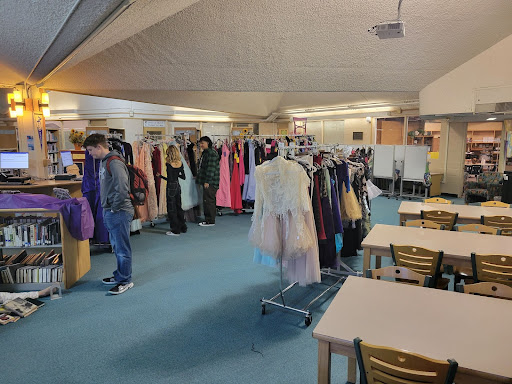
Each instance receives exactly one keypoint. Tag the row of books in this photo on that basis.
(52, 147)
(53, 157)
(50, 136)
(26, 234)
(18, 274)
(35, 259)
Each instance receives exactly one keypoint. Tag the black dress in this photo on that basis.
(174, 210)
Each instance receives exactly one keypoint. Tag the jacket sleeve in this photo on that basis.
(121, 180)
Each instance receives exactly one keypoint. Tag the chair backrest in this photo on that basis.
(502, 222)
(449, 219)
(479, 228)
(490, 177)
(423, 224)
(389, 366)
(401, 275)
(492, 268)
(500, 291)
(494, 203)
(438, 200)
(421, 260)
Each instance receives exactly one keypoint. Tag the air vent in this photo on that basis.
(504, 107)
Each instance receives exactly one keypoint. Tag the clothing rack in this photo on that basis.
(114, 135)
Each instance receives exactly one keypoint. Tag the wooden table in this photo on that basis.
(457, 246)
(468, 214)
(431, 322)
(45, 187)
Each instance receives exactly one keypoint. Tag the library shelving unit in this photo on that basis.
(486, 141)
(76, 257)
(52, 147)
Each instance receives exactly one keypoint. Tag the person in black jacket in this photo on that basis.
(174, 171)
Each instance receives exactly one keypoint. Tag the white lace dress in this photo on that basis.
(283, 224)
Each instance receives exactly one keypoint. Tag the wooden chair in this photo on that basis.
(502, 222)
(478, 228)
(384, 365)
(401, 275)
(492, 268)
(437, 200)
(500, 291)
(423, 224)
(466, 274)
(495, 204)
(421, 260)
(449, 219)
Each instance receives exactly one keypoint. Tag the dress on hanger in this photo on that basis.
(283, 225)
(156, 163)
(236, 193)
(141, 211)
(152, 201)
(249, 193)
(189, 196)
(162, 202)
(241, 163)
(224, 191)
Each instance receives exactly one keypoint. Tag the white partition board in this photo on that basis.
(384, 161)
(399, 158)
(415, 162)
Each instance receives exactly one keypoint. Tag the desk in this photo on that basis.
(468, 214)
(45, 187)
(435, 187)
(368, 309)
(457, 246)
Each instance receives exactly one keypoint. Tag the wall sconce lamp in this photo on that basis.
(44, 105)
(15, 99)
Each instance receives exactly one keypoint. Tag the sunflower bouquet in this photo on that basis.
(76, 137)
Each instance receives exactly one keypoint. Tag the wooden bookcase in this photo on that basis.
(52, 148)
(76, 256)
(484, 138)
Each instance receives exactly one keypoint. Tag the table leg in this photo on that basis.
(324, 362)
(352, 370)
(367, 257)
(402, 219)
(378, 261)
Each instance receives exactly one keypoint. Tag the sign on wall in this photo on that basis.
(154, 123)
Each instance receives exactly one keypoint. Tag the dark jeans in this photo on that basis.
(174, 210)
(210, 204)
(118, 227)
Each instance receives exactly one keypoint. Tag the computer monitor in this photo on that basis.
(67, 158)
(14, 160)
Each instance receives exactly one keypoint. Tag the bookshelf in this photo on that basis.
(52, 148)
(484, 139)
(76, 258)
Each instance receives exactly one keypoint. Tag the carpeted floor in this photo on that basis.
(194, 316)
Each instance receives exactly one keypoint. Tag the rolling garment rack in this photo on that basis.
(337, 273)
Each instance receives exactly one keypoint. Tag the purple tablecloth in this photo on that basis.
(76, 212)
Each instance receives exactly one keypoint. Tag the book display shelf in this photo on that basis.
(74, 254)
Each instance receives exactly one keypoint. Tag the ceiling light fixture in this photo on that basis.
(491, 118)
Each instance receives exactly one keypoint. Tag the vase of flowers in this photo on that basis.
(77, 138)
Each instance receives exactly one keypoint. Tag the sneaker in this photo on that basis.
(205, 224)
(109, 281)
(120, 288)
(171, 233)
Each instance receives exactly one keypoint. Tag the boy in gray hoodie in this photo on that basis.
(117, 209)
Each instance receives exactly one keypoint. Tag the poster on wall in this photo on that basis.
(299, 125)
(30, 143)
(39, 125)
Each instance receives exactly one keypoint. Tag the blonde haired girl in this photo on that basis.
(174, 171)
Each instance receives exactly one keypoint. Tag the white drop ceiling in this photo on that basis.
(242, 56)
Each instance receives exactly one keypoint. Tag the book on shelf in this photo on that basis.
(29, 231)
(32, 268)
(21, 307)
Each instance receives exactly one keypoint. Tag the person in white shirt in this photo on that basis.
(7, 296)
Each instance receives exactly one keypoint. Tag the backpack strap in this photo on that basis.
(109, 160)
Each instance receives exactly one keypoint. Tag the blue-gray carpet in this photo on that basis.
(194, 316)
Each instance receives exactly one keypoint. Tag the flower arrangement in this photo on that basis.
(76, 137)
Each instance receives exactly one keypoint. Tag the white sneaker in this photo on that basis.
(205, 224)
(171, 233)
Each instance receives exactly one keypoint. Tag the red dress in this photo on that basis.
(236, 193)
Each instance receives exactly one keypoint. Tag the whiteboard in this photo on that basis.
(415, 162)
(399, 158)
(384, 161)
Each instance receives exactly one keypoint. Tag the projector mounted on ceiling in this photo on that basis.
(389, 29)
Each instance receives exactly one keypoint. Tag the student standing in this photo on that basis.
(208, 177)
(117, 209)
(174, 210)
